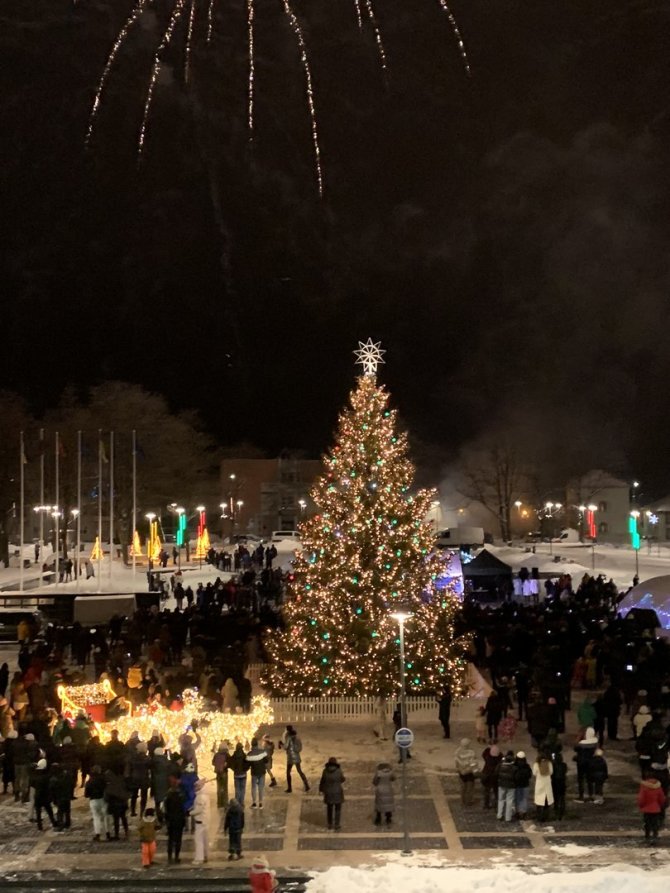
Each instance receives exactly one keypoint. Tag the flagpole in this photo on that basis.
(22, 460)
(57, 509)
(99, 504)
(132, 533)
(78, 559)
(41, 556)
(111, 502)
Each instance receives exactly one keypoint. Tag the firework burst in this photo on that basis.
(192, 10)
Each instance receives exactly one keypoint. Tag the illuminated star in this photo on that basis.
(369, 356)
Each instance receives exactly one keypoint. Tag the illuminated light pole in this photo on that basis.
(548, 506)
(239, 505)
(76, 514)
(202, 521)
(401, 617)
(181, 530)
(150, 516)
(635, 538)
(56, 515)
(591, 523)
(582, 510)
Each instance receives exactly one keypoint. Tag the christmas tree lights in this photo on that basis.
(367, 552)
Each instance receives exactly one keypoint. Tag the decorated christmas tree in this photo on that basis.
(368, 552)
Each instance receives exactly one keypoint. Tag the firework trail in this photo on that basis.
(118, 43)
(189, 41)
(378, 34)
(210, 19)
(252, 65)
(457, 35)
(177, 13)
(297, 30)
(359, 15)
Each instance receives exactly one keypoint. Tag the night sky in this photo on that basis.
(505, 236)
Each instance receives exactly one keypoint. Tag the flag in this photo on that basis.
(102, 452)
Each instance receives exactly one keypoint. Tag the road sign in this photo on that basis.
(404, 738)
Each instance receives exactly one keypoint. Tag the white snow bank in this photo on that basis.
(411, 879)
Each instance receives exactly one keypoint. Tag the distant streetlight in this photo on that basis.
(303, 506)
(401, 617)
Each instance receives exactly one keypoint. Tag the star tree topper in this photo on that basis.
(369, 356)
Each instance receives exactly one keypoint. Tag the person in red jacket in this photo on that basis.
(261, 878)
(651, 800)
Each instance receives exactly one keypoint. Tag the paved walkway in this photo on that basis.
(291, 827)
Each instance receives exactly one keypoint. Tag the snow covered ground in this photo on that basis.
(409, 877)
(617, 562)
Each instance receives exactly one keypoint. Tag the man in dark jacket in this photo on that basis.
(175, 817)
(161, 769)
(115, 754)
(444, 713)
(506, 782)
(331, 786)
(139, 777)
(26, 753)
(612, 708)
(60, 793)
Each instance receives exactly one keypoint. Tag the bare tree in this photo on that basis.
(495, 476)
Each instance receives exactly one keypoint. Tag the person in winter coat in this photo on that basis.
(559, 784)
(612, 701)
(506, 787)
(8, 772)
(94, 791)
(175, 818)
(139, 777)
(60, 794)
(261, 878)
(597, 775)
(492, 759)
(444, 714)
(187, 782)
(522, 776)
(331, 786)
(147, 830)
(293, 747)
(200, 815)
(640, 720)
(234, 825)
(543, 796)
(586, 714)
(257, 761)
(26, 754)
(269, 746)
(651, 803)
(465, 760)
(160, 772)
(116, 795)
(220, 764)
(384, 795)
(239, 766)
(584, 752)
(39, 781)
(494, 713)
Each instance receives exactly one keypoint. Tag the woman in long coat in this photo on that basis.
(384, 797)
(544, 795)
(331, 786)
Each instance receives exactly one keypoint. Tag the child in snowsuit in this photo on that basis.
(148, 837)
(234, 825)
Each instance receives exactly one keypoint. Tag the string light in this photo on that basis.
(252, 65)
(359, 17)
(189, 41)
(378, 551)
(378, 34)
(457, 34)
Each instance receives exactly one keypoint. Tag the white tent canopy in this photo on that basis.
(654, 595)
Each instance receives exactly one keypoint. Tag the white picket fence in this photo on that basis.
(312, 709)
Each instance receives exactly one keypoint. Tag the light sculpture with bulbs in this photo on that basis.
(367, 550)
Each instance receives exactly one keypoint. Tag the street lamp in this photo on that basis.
(303, 506)
(635, 539)
(401, 618)
(592, 509)
(56, 514)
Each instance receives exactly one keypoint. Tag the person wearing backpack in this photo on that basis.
(544, 795)
(522, 776)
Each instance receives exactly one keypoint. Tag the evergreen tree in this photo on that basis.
(367, 551)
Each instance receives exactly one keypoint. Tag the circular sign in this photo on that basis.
(404, 738)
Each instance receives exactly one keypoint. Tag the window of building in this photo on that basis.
(603, 527)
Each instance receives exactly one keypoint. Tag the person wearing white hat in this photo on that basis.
(584, 751)
(40, 782)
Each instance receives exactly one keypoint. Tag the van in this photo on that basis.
(279, 535)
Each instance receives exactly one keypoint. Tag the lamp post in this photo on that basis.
(592, 508)
(150, 516)
(401, 617)
(56, 514)
(200, 509)
(548, 506)
(180, 510)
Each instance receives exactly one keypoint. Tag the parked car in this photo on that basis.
(279, 536)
